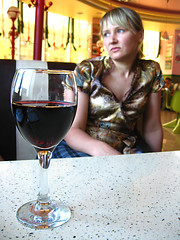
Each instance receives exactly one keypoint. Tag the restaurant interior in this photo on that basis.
(129, 196)
(71, 34)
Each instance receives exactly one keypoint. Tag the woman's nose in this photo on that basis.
(113, 38)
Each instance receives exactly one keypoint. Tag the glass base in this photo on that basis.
(43, 215)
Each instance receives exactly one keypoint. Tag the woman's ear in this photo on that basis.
(141, 36)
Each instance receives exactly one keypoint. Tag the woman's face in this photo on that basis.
(121, 44)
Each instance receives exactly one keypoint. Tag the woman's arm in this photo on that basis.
(79, 140)
(152, 128)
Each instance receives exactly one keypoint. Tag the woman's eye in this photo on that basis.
(120, 30)
(106, 34)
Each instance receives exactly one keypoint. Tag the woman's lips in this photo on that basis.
(115, 49)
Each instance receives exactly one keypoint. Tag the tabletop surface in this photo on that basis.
(133, 196)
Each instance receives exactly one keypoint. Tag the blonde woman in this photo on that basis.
(115, 91)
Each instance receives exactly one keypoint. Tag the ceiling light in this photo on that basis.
(165, 36)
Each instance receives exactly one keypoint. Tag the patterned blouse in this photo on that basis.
(109, 120)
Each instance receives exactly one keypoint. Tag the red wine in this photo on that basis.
(44, 124)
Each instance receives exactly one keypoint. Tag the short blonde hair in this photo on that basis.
(126, 18)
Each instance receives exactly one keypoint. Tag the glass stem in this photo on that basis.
(44, 160)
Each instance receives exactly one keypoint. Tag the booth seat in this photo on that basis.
(12, 145)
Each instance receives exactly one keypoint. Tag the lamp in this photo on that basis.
(165, 35)
(13, 13)
(35, 3)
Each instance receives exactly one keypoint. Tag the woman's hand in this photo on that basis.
(100, 148)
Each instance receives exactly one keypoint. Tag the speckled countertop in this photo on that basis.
(111, 198)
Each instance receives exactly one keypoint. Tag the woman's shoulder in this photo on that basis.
(89, 67)
(86, 70)
(91, 62)
(151, 72)
(149, 65)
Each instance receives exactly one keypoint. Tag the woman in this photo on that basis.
(115, 92)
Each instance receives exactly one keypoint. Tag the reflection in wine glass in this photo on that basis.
(43, 103)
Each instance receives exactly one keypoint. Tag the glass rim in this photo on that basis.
(44, 70)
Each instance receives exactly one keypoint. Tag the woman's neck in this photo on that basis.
(124, 68)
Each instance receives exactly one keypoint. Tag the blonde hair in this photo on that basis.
(126, 18)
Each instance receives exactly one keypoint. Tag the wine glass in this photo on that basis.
(43, 103)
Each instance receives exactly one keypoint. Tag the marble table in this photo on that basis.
(133, 196)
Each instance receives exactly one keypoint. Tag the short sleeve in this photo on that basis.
(158, 82)
(83, 75)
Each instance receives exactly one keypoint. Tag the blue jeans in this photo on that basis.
(64, 151)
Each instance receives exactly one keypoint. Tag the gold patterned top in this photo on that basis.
(109, 120)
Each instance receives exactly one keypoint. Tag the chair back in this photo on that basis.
(167, 94)
(175, 102)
